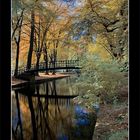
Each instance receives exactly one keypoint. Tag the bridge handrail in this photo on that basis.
(59, 63)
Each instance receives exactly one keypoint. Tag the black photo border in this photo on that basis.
(134, 70)
(5, 70)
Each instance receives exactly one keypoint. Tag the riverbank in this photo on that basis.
(41, 78)
(112, 122)
(112, 118)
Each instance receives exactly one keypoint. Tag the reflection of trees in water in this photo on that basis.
(66, 85)
(41, 111)
(19, 123)
(51, 115)
(63, 86)
(46, 115)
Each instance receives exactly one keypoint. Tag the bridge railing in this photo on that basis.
(66, 63)
(42, 65)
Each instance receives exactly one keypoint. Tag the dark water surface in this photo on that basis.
(46, 112)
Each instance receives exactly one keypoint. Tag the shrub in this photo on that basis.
(105, 78)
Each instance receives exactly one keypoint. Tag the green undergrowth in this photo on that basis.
(120, 135)
(104, 79)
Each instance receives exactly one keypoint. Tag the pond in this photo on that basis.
(46, 111)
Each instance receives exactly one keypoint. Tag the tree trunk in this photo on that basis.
(29, 59)
(18, 45)
(54, 60)
(37, 64)
(46, 62)
(53, 67)
(17, 58)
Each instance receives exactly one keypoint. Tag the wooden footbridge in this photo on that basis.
(58, 65)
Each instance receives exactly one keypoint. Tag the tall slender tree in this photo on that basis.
(17, 37)
(30, 52)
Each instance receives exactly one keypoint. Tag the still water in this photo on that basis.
(46, 112)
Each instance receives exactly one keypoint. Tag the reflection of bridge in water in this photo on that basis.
(61, 100)
(48, 91)
(47, 111)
